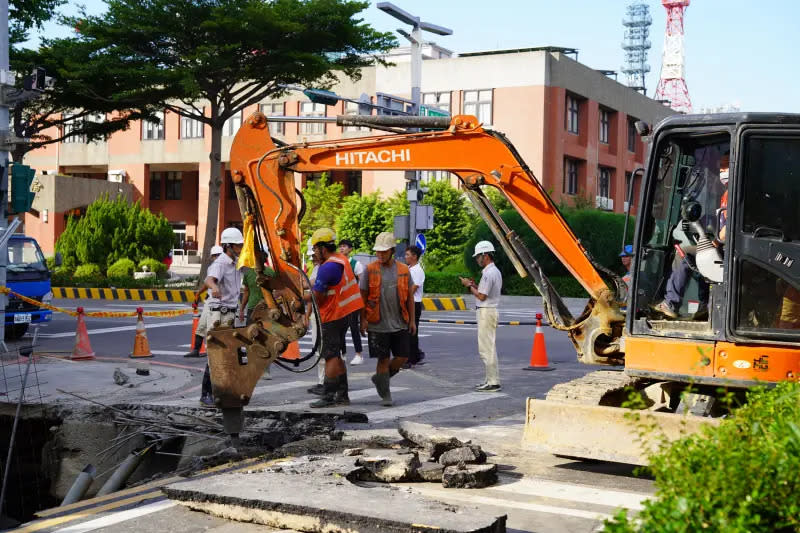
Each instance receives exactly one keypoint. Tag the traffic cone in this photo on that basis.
(141, 348)
(539, 351)
(195, 322)
(292, 351)
(83, 349)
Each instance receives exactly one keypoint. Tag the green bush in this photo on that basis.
(114, 229)
(444, 283)
(741, 476)
(153, 265)
(451, 223)
(323, 201)
(599, 231)
(361, 219)
(88, 270)
(123, 267)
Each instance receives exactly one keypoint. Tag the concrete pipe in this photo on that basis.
(80, 485)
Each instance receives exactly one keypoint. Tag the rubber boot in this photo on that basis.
(341, 396)
(328, 398)
(381, 382)
(195, 352)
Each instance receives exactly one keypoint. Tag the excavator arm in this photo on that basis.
(264, 176)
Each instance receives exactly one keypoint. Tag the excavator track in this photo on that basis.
(584, 418)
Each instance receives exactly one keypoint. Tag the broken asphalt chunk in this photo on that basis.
(471, 454)
(469, 476)
(428, 437)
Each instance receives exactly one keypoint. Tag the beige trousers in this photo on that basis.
(487, 333)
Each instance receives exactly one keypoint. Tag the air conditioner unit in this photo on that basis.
(601, 202)
(625, 207)
(117, 176)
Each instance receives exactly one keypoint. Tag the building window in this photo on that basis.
(154, 131)
(191, 128)
(604, 183)
(351, 108)
(232, 125)
(353, 179)
(440, 100)
(310, 109)
(570, 176)
(155, 185)
(571, 118)
(632, 134)
(71, 125)
(435, 175)
(605, 125)
(174, 182)
(274, 110)
(479, 103)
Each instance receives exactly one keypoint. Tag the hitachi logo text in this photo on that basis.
(380, 156)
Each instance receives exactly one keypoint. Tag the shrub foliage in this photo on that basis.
(361, 219)
(741, 476)
(112, 230)
(122, 268)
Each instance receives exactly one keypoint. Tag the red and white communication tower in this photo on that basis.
(672, 84)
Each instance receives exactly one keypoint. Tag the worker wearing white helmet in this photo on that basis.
(224, 283)
(202, 324)
(487, 298)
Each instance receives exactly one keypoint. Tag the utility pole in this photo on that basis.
(415, 38)
(5, 135)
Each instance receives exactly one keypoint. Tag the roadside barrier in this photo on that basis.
(539, 350)
(152, 295)
(444, 304)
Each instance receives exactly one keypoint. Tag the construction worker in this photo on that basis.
(626, 257)
(345, 248)
(202, 323)
(487, 296)
(224, 282)
(388, 314)
(413, 254)
(336, 293)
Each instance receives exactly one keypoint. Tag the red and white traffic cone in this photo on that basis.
(82, 351)
(141, 348)
(195, 321)
(539, 350)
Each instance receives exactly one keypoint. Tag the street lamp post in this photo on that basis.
(415, 38)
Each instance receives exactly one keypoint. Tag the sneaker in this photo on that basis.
(488, 388)
(193, 353)
(318, 389)
(266, 374)
(207, 400)
(357, 360)
(479, 385)
(665, 309)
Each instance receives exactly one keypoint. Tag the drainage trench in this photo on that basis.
(54, 444)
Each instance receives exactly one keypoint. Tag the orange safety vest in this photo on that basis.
(374, 295)
(343, 298)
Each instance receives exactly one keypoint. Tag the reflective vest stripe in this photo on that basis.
(344, 298)
(349, 299)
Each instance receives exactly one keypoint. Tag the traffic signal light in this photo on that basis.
(321, 96)
(21, 196)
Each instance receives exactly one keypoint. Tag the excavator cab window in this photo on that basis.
(681, 213)
(767, 263)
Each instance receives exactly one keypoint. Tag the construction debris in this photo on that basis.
(120, 377)
(471, 454)
(428, 438)
(464, 476)
(388, 466)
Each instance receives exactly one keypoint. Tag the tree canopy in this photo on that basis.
(209, 59)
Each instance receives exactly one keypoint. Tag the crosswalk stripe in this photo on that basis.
(576, 493)
(461, 496)
(428, 406)
(119, 517)
(277, 387)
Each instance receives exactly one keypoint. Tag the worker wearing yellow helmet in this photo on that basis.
(337, 295)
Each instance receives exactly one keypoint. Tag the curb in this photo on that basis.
(444, 304)
(153, 295)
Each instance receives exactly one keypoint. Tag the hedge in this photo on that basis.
(599, 231)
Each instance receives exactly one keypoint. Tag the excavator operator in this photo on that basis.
(337, 295)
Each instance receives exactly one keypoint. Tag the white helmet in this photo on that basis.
(483, 247)
(216, 249)
(231, 236)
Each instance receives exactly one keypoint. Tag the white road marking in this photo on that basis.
(367, 393)
(276, 387)
(509, 504)
(166, 352)
(116, 330)
(575, 493)
(428, 406)
(117, 518)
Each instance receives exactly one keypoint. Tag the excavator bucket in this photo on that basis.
(603, 433)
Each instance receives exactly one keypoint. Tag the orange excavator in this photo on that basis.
(714, 299)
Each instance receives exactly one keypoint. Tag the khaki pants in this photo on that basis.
(208, 318)
(487, 332)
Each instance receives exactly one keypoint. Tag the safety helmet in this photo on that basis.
(231, 236)
(627, 251)
(323, 235)
(384, 241)
(216, 249)
(483, 247)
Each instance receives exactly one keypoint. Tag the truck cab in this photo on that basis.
(27, 274)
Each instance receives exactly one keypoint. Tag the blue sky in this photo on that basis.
(738, 52)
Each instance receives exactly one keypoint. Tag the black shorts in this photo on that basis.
(382, 344)
(332, 337)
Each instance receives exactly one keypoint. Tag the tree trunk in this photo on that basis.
(214, 186)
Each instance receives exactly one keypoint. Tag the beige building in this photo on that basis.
(572, 125)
